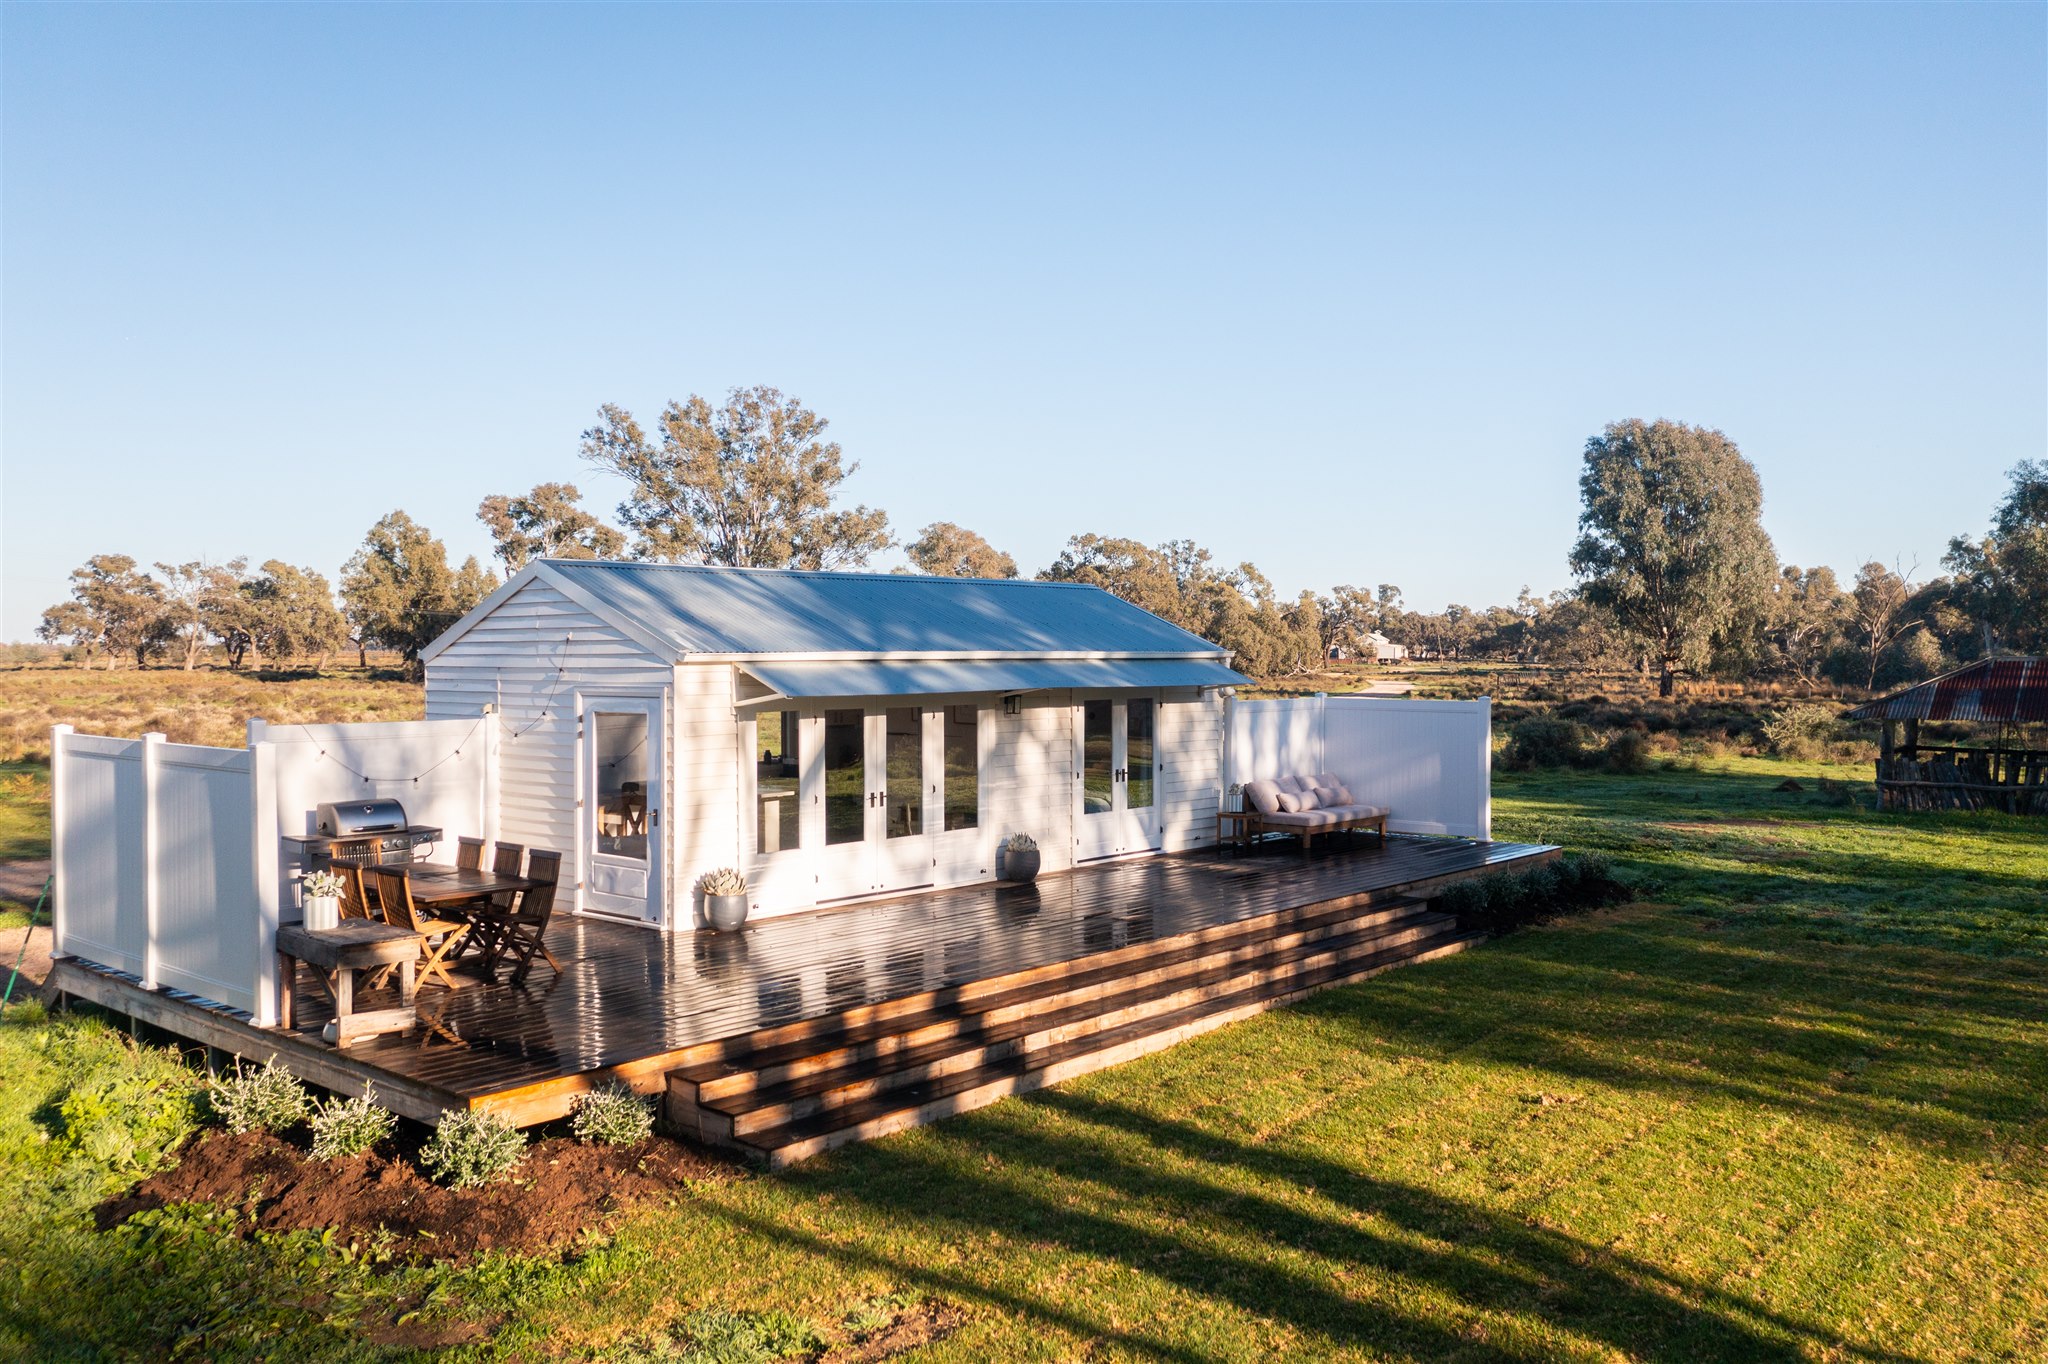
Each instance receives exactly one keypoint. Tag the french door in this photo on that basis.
(1116, 796)
(865, 798)
(619, 748)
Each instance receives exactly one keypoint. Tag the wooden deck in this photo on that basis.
(635, 1005)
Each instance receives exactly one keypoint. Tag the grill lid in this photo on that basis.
(340, 819)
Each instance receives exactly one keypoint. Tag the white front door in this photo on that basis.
(619, 746)
(1116, 801)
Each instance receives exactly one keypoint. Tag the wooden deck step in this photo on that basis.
(749, 1101)
(858, 1096)
(873, 1030)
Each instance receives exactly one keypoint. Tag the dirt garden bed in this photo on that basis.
(560, 1192)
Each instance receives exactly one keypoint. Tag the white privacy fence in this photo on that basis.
(168, 857)
(1429, 762)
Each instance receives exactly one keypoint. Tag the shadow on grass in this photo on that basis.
(1882, 1039)
(1226, 1220)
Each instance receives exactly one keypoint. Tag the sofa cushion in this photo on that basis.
(1332, 795)
(1296, 784)
(1304, 819)
(1326, 779)
(1359, 811)
(1308, 800)
(1289, 802)
(1263, 795)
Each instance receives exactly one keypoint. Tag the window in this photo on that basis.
(621, 753)
(776, 774)
(963, 768)
(846, 777)
(1138, 757)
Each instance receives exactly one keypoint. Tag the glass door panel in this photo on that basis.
(963, 768)
(621, 744)
(1098, 757)
(1138, 755)
(619, 838)
(903, 750)
(846, 789)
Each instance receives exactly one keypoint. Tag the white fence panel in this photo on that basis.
(1428, 762)
(438, 769)
(208, 919)
(97, 853)
(1274, 739)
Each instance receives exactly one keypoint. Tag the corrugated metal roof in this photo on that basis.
(991, 675)
(1991, 689)
(752, 612)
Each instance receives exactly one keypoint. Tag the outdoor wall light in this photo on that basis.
(1013, 705)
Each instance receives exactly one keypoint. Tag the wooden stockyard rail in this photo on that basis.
(808, 1030)
(1923, 777)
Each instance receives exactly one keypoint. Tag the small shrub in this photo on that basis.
(471, 1148)
(715, 1335)
(266, 1100)
(1628, 752)
(613, 1116)
(1801, 731)
(1543, 741)
(1505, 901)
(349, 1127)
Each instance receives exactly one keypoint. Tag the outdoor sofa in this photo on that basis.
(1307, 806)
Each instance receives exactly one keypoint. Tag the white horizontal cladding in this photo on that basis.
(1029, 781)
(1190, 755)
(1430, 763)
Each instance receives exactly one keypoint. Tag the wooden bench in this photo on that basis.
(338, 953)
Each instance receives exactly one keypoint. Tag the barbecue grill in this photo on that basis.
(366, 832)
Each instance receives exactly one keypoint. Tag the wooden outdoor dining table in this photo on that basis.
(464, 891)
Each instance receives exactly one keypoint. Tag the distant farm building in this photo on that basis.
(2000, 764)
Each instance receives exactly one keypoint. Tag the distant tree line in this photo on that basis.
(1676, 575)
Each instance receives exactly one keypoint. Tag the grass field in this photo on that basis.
(1792, 1106)
(207, 706)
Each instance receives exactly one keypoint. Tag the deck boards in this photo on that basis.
(630, 997)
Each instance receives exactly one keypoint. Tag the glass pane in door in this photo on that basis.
(1098, 759)
(1138, 756)
(963, 768)
(846, 776)
(621, 756)
(775, 781)
(905, 752)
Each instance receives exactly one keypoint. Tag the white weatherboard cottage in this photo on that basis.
(833, 735)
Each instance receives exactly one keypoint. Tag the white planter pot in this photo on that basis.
(323, 911)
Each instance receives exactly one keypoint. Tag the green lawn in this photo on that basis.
(1793, 1106)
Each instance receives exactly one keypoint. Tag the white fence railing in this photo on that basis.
(1428, 762)
(168, 857)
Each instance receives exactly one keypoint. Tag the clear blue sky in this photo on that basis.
(1341, 291)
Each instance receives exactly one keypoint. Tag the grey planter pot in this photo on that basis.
(725, 912)
(1020, 867)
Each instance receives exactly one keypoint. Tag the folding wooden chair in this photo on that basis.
(523, 932)
(469, 854)
(355, 904)
(394, 889)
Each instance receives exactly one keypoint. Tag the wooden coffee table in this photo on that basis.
(338, 953)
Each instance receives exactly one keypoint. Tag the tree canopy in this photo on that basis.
(750, 483)
(1672, 541)
(399, 592)
(2002, 580)
(115, 607)
(547, 523)
(945, 550)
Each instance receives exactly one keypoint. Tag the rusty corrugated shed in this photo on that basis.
(1991, 689)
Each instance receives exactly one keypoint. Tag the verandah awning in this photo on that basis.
(961, 676)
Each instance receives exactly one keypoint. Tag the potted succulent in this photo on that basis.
(725, 898)
(1020, 859)
(322, 891)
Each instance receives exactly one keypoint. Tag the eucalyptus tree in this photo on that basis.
(949, 551)
(1671, 540)
(547, 523)
(115, 607)
(2002, 580)
(398, 591)
(751, 483)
